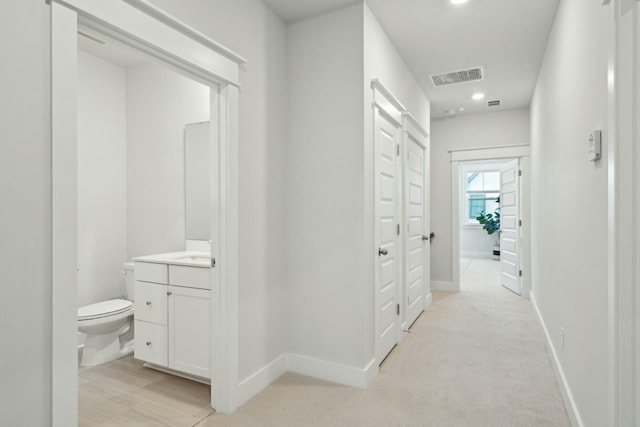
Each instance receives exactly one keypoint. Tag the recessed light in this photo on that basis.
(461, 109)
(478, 96)
(458, 1)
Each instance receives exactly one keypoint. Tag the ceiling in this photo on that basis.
(506, 37)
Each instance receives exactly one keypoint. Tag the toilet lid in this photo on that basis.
(103, 308)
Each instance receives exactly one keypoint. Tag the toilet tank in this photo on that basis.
(127, 270)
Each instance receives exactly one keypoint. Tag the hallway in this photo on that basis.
(474, 358)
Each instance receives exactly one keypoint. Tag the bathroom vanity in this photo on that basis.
(172, 314)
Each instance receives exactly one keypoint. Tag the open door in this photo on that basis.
(510, 263)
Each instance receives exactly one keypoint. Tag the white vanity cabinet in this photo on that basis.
(172, 320)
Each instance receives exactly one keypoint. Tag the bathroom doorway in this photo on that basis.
(164, 41)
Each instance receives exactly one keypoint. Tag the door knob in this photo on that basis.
(148, 302)
(425, 237)
(382, 251)
(149, 343)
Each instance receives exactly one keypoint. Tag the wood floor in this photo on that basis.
(124, 393)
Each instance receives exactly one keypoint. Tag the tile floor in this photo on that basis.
(124, 393)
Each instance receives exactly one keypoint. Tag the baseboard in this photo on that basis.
(261, 379)
(565, 390)
(443, 286)
(428, 300)
(476, 254)
(334, 372)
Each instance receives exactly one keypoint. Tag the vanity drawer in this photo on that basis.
(151, 343)
(151, 302)
(150, 272)
(192, 277)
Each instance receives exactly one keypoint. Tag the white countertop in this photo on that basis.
(188, 258)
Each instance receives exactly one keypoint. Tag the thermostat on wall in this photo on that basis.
(594, 145)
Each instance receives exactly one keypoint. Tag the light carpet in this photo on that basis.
(474, 358)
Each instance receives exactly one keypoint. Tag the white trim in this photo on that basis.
(131, 26)
(428, 301)
(262, 378)
(164, 17)
(437, 285)
(455, 226)
(565, 390)
(623, 208)
(490, 153)
(413, 127)
(334, 372)
(377, 86)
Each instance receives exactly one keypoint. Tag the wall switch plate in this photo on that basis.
(594, 146)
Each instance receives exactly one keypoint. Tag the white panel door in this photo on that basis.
(386, 140)
(510, 275)
(417, 245)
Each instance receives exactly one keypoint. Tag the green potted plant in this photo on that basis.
(491, 223)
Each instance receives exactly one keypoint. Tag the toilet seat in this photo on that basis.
(104, 309)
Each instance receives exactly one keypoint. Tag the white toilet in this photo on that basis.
(104, 322)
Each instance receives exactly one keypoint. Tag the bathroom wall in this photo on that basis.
(507, 127)
(102, 174)
(252, 30)
(159, 103)
(25, 214)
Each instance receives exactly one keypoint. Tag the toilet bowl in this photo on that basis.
(104, 323)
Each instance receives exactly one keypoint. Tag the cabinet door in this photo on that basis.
(189, 330)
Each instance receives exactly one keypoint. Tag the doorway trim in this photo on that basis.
(490, 153)
(139, 25)
(623, 209)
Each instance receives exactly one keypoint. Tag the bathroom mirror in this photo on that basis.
(196, 173)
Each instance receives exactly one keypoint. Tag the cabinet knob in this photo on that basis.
(169, 292)
(149, 343)
(148, 302)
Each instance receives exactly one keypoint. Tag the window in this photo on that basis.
(482, 192)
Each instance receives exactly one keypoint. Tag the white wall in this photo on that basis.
(159, 103)
(25, 214)
(569, 237)
(102, 174)
(325, 181)
(332, 60)
(507, 127)
(252, 30)
(382, 62)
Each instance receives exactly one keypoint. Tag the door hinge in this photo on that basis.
(398, 229)
(213, 262)
(520, 273)
(520, 223)
(398, 149)
(519, 172)
(398, 309)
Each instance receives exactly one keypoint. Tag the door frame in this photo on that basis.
(491, 153)
(165, 40)
(623, 214)
(385, 104)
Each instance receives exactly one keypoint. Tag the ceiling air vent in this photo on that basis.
(459, 76)
(494, 103)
